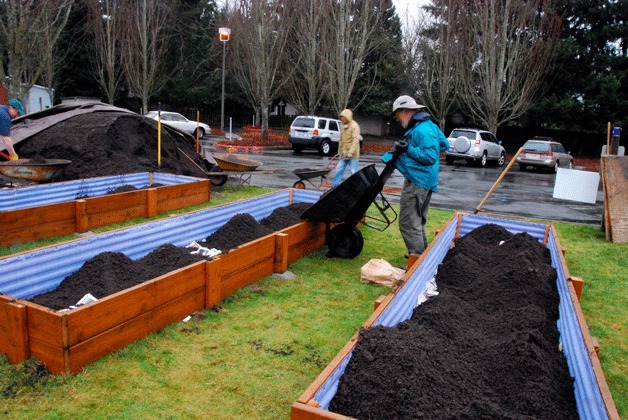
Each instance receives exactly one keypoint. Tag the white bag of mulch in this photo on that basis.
(380, 272)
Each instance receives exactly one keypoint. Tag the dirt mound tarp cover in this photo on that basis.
(486, 347)
(103, 140)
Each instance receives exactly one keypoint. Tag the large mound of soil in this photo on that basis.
(486, 347)
(111, 272)
(111, 143)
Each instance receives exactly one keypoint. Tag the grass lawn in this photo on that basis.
(254, 355)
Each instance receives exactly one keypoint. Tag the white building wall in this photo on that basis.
(37, 98)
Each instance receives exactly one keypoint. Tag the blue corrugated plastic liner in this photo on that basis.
(29, 274)
(588, 397)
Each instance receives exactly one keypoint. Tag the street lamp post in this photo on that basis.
(224, 34)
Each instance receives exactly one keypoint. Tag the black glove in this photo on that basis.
(400, 147)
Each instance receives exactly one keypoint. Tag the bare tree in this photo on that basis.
(144, 42)
(104, 22)
(354, 25)
(434, 47)
(30, 30)
(259, 39)
(308, 86)
(510, 46)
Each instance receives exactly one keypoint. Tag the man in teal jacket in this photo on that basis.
(419, 164)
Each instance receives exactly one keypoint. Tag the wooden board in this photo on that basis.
(615, 174)
(68, 340)
(47, 221)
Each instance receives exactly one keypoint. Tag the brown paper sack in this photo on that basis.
(380, 272)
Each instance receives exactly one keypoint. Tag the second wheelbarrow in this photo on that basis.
(306, 174)
(345, 206)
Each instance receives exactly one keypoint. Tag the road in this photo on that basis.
(519, 195)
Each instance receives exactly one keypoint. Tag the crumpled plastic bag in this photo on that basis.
(202, 251)
(381, 272)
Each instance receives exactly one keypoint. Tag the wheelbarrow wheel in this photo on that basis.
(299, 185)
(345, 241)
(217, 181)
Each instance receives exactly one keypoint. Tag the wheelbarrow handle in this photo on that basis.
(334, 157)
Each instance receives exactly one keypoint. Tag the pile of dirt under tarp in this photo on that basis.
(112, 143)
(111, 272)
(486, 347)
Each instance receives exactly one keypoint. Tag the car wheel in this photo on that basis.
(483, 160)
(297, 148)
(449, 160)
(556, 166)
(325, 148)
(502, 159)
(522, 167)
(570, 164)
(200, 131)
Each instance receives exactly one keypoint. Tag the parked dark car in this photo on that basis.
(544, 153)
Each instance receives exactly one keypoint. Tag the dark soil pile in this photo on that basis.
(243, 228)
(111, 143)
(110, 272)
(129, 188)
(485, 347)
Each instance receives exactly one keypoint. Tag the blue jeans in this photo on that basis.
(340, 169)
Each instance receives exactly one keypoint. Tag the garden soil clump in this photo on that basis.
(112, 143)
(110, 272)
(486, 347)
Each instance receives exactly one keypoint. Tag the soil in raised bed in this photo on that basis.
(111, 272)
(486, 347)
(112, 143)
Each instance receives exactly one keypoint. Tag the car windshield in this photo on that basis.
(462, 133)
(536, 146)
(303, 122)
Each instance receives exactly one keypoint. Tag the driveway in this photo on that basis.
(519, 195)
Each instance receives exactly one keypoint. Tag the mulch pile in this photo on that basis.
(110, 272)
(486, 347)
(111, 143)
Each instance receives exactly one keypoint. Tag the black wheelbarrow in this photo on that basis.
(345, 206)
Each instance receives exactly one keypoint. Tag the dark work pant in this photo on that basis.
(414, 205)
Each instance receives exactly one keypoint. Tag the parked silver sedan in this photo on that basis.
(543, 152)
(176, 120)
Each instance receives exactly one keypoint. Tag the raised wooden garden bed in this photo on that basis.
(68, 340)
(81, 215)
(593, 398)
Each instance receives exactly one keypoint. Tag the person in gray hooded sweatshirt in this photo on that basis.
(348, 146)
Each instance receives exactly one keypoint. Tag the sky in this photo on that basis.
(408, 7)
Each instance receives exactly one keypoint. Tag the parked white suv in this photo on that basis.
(475, 146)
(311, 132)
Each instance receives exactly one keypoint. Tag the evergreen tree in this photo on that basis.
(590, 85)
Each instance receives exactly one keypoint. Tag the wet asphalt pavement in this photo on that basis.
(520, 194)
